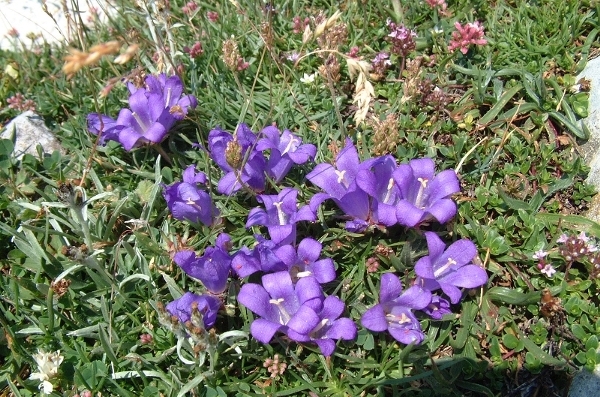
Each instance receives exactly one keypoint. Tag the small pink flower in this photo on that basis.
(353, 53)
(464, 36)
(441, 4)
(212, 16)
(189, 8)
(241, 64)
(541, 254)
(195, 51)
(300, 24)
(548, 270)
(146, 339)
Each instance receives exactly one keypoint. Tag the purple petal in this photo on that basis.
(469, 276)
(327, 346)
(263, 330)
(408, 214)
(414, 297)
(435, 245)
(343, 328)
(390, 287)
(443, 210)
(256, 299)
(443, 185)
(374, 319)
(304, 320)
(309, 250)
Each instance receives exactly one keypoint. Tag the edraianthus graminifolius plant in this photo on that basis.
(154, 109)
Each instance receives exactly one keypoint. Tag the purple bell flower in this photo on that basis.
(280, 215)
(300, 311)
(212, 268)
(340, 178)
(154, 109)
(282, 305)
(331, 327)
(266, 256)
(378, 183)
(423, 194)
(307, 262)
(187, 201)
(208, 307)
(451, 268)
(394, 312)
(236, 154)
(286, 149)
(437, 308)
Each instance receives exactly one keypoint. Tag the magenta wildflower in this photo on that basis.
(401, 38)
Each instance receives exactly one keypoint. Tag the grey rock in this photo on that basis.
(590, 150)
(28, 130)
(585, 384)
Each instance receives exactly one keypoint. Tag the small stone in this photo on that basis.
(27, 131)
(585, 384)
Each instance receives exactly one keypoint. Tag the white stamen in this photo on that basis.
(319, 326)
(284, 316)
(303, 274)
(291, 144)
(389, 191)
(341, 175)
(420, 195)
(401, 319)
(281, 216)
(139, 120)
(442, 269)
(168, 98)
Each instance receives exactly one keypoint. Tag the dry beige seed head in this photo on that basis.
(231, 53)
(385, 137)
(127, 55)
(78, 59)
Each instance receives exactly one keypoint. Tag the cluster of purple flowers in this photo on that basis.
(380, 192)
(154, 110)
(241, 156)
(289, 297)
(445, 269)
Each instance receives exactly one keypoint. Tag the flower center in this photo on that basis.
(421, 196)
(319, 327)
(281, 216)
(341, 178)
(284, 316)
(443, 268)
(395, 319)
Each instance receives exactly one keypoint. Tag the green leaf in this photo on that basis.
(498, 106)
(6, 147)
(510, 341)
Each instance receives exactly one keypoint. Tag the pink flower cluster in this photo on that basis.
(439, 4)
(195, 50)
(18, 102)
(401, 38)
(189, 8)
(464, 36)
